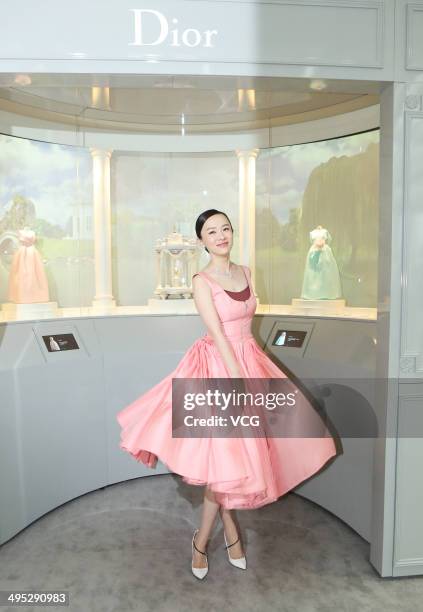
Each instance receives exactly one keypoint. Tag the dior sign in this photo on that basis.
(152, 28)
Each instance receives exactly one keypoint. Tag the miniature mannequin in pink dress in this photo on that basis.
(27, 280)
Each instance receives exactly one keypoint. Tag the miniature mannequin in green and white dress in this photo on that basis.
(321, 275)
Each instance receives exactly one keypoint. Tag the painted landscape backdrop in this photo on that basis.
(333, 183)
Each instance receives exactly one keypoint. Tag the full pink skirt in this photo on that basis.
(242, 472)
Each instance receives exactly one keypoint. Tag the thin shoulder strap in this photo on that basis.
(206, 277)
(214, 285)
(247, 275)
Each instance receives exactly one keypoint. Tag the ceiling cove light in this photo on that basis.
(318, 84)
(22, 79)
(246, 99)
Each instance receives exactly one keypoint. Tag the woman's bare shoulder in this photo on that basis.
(198, 280)
(199, 274)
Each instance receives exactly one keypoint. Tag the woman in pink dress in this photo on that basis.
(240, 472)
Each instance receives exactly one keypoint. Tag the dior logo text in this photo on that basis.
(151, 28)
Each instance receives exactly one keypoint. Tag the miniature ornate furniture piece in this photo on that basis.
(176, 261)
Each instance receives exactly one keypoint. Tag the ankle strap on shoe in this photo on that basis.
(229, 545)
(200, 551)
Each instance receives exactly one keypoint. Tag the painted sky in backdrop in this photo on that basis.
(56, 177)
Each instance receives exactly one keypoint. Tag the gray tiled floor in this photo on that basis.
(128, 547)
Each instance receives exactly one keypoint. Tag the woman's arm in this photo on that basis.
(205, 306)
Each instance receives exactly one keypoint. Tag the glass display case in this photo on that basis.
(104, 196)
(331, 183)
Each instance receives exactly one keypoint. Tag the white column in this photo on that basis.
(247, 208)
(102, 229)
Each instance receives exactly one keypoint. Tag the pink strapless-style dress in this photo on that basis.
(243, 473)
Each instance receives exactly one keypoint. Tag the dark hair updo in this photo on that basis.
(203, 218)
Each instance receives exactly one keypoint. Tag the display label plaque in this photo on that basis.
(60, 342)
(289, 338)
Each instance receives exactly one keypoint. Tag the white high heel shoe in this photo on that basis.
(199, 572)
(241, 563)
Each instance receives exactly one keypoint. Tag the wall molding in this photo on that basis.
(295, 40)
(414, 17)
(411, 359)
(414, 102)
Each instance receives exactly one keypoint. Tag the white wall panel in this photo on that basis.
(412, 288)
(299, 36)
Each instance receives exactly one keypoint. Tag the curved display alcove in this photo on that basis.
(110, 178)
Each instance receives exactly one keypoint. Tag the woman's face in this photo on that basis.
(217, 235)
